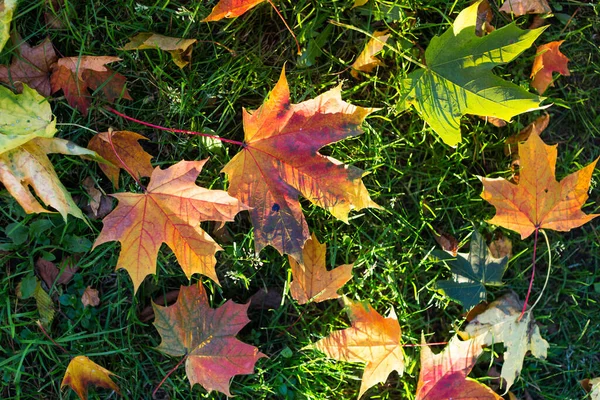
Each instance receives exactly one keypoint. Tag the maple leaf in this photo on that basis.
(82, 372)
(312, 281)
(206, 336)
(31, 65)
(230, 9)
(75, 75)
(367, 61)
(522, 7)
(372, 339)
(444, 375)
(280, 161)
(7, 8)
(539, 200)
(548, 59)
(500, 323)
(511, 144)
(127, 146)
(458, 79)
(471, 272)
(180, 49)
(168, 212)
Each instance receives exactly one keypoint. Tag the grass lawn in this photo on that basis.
(421, 184)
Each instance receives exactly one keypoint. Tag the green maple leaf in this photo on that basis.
(471, 272)
(458, 79)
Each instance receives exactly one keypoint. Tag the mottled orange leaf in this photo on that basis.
(180, 49)
(129, 150)
(548, 59)
(75, 75)
(539, 200)
(206, 336)
(280, 162)
(31, 65)
(511, 144)
(168, 212)
(372, 339)
(522, 7)
(444, 375)
(83, 372)
(230, 9)
(312, 280)
(367, 61)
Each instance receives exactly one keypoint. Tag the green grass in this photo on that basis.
(420, 183)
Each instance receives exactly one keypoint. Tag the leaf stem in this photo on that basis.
(169, 374)
(123, 164)
(112, 110)
(537, 229)
(548, 273)
(287, 26)
(39, 324)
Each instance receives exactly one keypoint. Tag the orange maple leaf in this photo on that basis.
(230, 9)
(312, 280)
(206, 336)
(444, 375)
(74, 75)
(539, 200)
(168, 212)
(372, 339)
(82, 372)
(280, 161)
(548, 59)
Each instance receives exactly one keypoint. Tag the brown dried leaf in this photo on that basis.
(90, 297)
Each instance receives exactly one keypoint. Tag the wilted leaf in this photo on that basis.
(538, 126)
(446, 241)
(52, 275)
(548, 59)
(444, 375)
(312, 280)
(501, 246)
(7, 7)
(484, 19)
(129, 150)
(539, 201)
(43, 301)
(367, 61)
(592, 386)
(168, 212)
(206, 336)
(500, 323)
(31, 65)
(83, 372)
(90, 297)
(372, 339)
(180, 49)
(75, 75)
(230, 9)
(280, 161)
(522, 7)
(458, 80)
(471, 272)
(95, 196)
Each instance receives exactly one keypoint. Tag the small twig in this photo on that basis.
(123, 164)
(39, 324)
(287, 26)
(233, 53)
(548, 273)
(169, 374)
(537, 229)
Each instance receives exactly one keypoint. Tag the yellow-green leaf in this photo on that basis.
(7, 7)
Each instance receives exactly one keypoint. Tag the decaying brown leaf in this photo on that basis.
(90, 297)
(180, 49)
(522, 7)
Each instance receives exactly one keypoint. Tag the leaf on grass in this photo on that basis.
(511, 144)
(31, 65)
(471, 272)
(500, 323)
(127, 146)
(372, 339)
(52, 275)
(358, 3)
(312, 280)
(280, 161)
(191, 328)
(95, 196)
(75, 75)
(539, 201)
(180, 49)
(168, 212)
(548, 59)
(522, 7)
(444, 375)
(458, 79)
(43, 301)
(367, 61)
(592, 386)
(83, 372)
(7, 8)
(231, 9)
(90, 297)
(446, 241)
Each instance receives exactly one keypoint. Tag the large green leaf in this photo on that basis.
(7, 7)
(458, 79)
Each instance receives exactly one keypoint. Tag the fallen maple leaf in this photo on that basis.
(372, 339)
(522, 7)
(74, 75)
(457, 79)
(168, 212)
(444, 375)
(548, 59)
(206, 336)
(471, 272)
(511, 144)
(127, 146)
(539, 200)
(31, 65)
(180, 49)
(501, 323)
(230, 9)
(312, 281)
(7, 8)
(280, 161)
(367, 61)
(82, 372)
